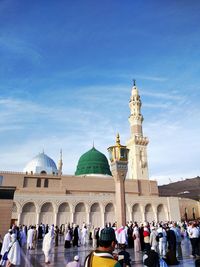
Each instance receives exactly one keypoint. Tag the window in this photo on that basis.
(25, 182)
(38, 182)
(46, 182)
(1, 180)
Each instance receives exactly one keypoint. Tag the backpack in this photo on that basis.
(152, 259)
(157, 238)
(160, 235)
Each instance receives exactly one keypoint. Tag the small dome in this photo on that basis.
(41, 164)
(93, 162)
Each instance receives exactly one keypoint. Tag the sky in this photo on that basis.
(66, 70)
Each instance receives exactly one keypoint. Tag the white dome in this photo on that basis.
(41, 164)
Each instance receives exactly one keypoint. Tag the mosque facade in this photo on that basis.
(44, 194)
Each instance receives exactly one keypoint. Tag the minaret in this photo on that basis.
(60, 164)
(118, 155)
(137, 144)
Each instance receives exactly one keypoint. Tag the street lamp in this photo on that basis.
(118, 155)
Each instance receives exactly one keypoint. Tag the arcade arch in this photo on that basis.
(64, 214)
(80, 214)
(47, 213)
(161, 213)
(136, 213)
(28, 216)
(109, 213)
(149, 215)
(95, 215)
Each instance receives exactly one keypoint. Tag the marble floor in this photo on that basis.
(61, 256)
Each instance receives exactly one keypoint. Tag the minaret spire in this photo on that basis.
(60, 163)
(136, 117)
(137, 144)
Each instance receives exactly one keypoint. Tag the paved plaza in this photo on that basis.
(61, 256)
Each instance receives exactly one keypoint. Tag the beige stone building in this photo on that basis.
(44, 194)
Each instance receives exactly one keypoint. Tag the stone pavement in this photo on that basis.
(60, 256)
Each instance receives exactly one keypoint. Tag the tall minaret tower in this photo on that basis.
(60, 164)
(137, 144)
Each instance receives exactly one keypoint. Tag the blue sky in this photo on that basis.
(66, 75)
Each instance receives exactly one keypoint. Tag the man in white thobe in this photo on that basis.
(6, 242)
(83, 235)
(47, 246)
(14, 254)
(5, 245)
(30, 235)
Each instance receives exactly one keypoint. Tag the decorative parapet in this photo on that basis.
(11, 172)
(140, 140)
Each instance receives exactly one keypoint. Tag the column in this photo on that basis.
(143, 214)
(37, 218)
(19, 218)
(55, 218)
(72, 217)
(87, 215)
(129, 215)
(155, 213)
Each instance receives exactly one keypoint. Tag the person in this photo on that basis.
(56, 235)
(40, 231)
(194, 235)
(103, 255)
(94, 239)
(151, 258)
(153, 238)
(14, 254)
(171, 253)
(84, 233)
(146, 235)
(123, 256)
(121, 235)
(47, 246)
(34, 237)
(74, 263)
(162, 243)
(75, 236)
(130, 235)
(30, 236)
(68, 238)
(6, 242)
(1, 243)
(97, 236)
(136, 238)
(23, 236)
(197, 263)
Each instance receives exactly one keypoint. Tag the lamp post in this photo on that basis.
(118, 155)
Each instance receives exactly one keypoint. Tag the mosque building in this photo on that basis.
(44, 194)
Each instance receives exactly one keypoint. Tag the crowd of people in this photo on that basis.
(157, 241)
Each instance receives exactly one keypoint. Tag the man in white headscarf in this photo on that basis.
(6, 242)
(47, 245)
(14, 254)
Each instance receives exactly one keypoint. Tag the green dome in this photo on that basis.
(93, 162)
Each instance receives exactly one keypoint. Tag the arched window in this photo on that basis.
(38, 182)
(46, 183)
